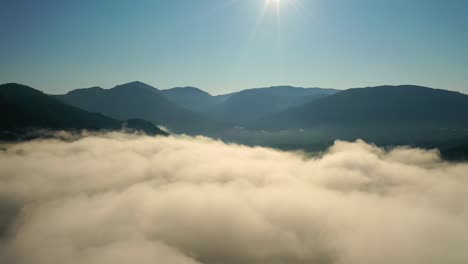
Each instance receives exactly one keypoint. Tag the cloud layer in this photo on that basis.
(118, 198)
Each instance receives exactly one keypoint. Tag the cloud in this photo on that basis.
(118, 198)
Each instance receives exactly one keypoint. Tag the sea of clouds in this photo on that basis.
(116, 198)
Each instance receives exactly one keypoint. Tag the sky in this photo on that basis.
(228, 45)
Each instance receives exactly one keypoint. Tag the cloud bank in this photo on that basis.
(118, 198)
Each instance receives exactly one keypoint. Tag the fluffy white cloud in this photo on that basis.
(119, 198)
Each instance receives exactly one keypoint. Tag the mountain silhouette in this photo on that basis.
(191, 98)
(404, 104)
(139, 100)
(248, 105)
(25, 109)
(282, 116)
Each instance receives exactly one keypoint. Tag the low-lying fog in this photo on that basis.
(118, 198)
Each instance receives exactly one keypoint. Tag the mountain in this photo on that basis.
(25, 109)
(386, 115)
(405, 104)
(139, 100)
(190, 98)
(248, 105)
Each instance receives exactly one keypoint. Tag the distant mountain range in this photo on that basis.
(387, 115)
(139, 100)
(24, 109)
(192, 98)
(405, 104)
(245, 107)
(280, 116)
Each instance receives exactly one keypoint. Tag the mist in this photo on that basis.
(118, 198)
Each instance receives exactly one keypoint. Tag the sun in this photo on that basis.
(273, 7)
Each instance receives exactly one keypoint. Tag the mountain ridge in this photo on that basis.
(139, 100)
(402, 103)
(25, 109)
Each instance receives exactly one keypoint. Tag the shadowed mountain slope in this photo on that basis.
(25, 109)
(190, 98)
(248, 105)
(138, 100)
(382, 105)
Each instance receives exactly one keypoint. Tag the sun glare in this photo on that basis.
(274, 8)
(275, 3)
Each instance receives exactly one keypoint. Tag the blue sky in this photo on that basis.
(226, 45)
